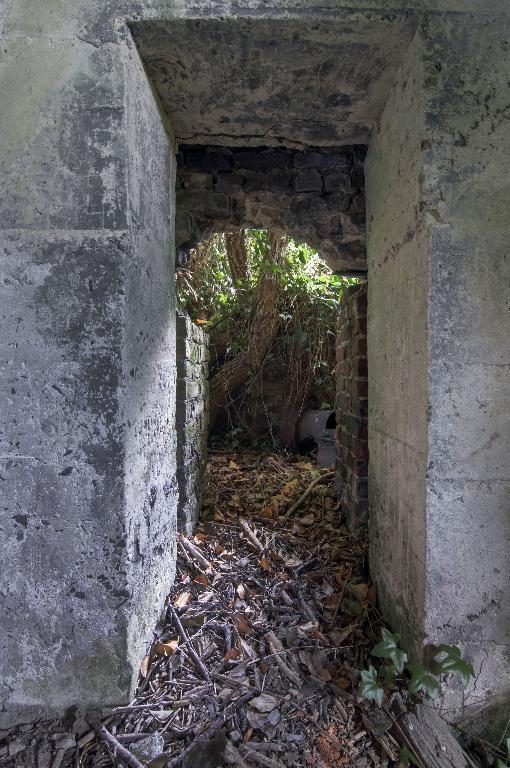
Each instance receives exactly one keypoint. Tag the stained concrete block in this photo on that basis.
(88, 490)
(437, 188)
(64, 581)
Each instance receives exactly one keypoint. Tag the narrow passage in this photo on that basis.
(268, 624)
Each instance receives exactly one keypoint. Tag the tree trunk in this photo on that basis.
(262, 330)
(237, 257)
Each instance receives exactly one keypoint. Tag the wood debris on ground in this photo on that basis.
(267, 626)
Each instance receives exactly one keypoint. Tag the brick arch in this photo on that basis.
(317, 197)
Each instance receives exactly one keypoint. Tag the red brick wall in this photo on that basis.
(352, 406)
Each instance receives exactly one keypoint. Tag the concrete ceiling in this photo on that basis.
(296, 83)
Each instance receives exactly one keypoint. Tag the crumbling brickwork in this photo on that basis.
(316, 197)
(352, 405)
(191, 418)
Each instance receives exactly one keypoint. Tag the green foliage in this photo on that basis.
(307, 309)
(388, 648)
(421, 680)
(453, 663)
(447, 661)
(369, 688)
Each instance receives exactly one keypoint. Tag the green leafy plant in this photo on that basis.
(370, 688)
(447, 661)
(303, 344)
(388, 648)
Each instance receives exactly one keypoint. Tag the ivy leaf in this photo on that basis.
(501, 763)
(407, 757)
(454, 664)
(388, 648)
(422, 680)
(389, 674)
(369, 688)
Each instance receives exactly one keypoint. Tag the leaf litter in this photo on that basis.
(257, 659)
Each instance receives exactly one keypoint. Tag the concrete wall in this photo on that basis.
(88, 495)
(191, 419)
(438, 195)
(351, 437)
(398, 355)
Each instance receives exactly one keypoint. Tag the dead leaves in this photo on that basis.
(280, 614)
(167, 648)
(182, 599)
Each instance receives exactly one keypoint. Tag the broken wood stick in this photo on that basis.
(187, 642)
(114, 744)
(211, 730)
(250, 535)
(195, 552)
(276, 648)
(304, 496)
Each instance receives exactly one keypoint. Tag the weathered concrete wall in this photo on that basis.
(149, 367)
(439, 386)
(86, 256)
(397, 352)
(191, 419)
(317, 197)
(352, 406)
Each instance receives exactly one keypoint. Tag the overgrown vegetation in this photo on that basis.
(266, 301)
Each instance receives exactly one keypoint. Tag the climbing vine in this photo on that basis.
(263, 306)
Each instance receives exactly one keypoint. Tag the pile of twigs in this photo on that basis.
(266, 627)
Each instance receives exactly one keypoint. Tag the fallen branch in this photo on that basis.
(195, 552)
(211, 730)
(187, 642)
(250, 535)
(276, 648)
(305, 495)
(114, 745)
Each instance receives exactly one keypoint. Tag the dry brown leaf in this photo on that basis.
(241, 591)
(201, 578)
(337, 636)
(233, 465)
(233, 655)
(144, 666)
(241, 624)
(200, 537)
(307, 520)
(166, 649)
(331, 602)
(182, 599)
(264, 563)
